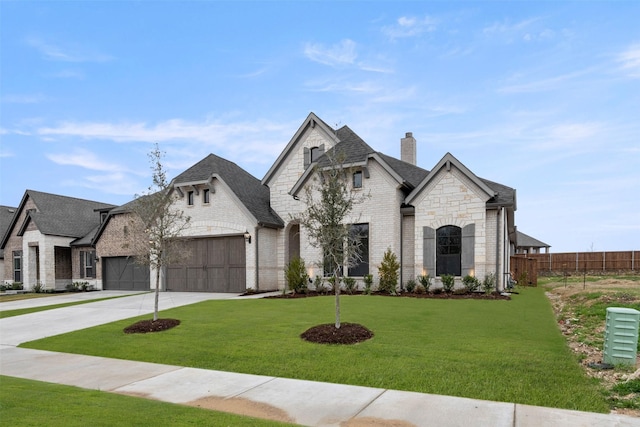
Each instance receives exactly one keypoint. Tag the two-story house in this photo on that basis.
(243, 231)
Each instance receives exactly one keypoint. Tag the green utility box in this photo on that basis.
(621, 336)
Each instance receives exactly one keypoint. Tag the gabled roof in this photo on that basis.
(58, 215)
(312, 121)
(6, 215)
(525, 241)
(446, 162)
(248, 189)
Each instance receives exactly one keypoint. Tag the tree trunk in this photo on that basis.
(337, 287)
(157, 294)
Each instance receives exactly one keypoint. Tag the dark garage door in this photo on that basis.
(214, 265)
(123, 274)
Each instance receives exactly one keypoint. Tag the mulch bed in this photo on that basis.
(348, 333)
(430, 295)
(145, 326)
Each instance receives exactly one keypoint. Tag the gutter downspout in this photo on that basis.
(498, 258)
(257, 229)
(401, 253)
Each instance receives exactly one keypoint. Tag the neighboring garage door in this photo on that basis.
(123, 274)
(214, 265)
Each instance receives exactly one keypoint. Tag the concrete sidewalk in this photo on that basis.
(301, 402)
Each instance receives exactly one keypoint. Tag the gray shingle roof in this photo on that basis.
(245, 186)
(355, 150)
(65, 216)
(526, 241)
(59, 215)
(6, 215)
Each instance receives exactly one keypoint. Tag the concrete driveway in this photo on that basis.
(42, 324)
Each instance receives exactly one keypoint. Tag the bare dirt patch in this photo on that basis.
(240, 406)
(580, 339)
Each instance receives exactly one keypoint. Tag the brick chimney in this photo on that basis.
(408, 148)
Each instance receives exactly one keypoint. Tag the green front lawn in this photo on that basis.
(495, 350)
(34, 403)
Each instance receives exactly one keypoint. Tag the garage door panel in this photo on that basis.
(237, 282)
(122, 273)
(215, 265)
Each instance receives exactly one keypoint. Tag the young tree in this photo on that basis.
(330, 199)
(158, 225)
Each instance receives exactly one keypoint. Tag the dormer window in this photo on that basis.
(357, 179)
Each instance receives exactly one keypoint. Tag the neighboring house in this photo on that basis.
(528, 245)
(6, 215)
(47, 240)
(243, 231)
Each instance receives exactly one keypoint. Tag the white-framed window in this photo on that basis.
(206, 196)
(357, 179)
(17, 266)
(87, 264)
(190, 198)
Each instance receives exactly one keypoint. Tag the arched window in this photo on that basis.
(448, 250)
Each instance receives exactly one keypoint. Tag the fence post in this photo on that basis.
(577, 261)
(604, 260)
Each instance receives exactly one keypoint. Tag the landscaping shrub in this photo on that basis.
(38, 287)
(17, 286)
(488, 283)
(318, 284)
(296, 275)
(350, 285)
(425, 281)
(448, 281)
(368, 283)
(420, 289)
(410, 286)
(388, 272)
(471, 283)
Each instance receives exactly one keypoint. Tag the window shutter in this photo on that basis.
(82, 255)
(468, 248)
(307, 157)
(429, 250)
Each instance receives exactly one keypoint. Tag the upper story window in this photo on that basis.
(315, 153)
(190, 198)
(206, 196)
(357, 179)
(312, 154)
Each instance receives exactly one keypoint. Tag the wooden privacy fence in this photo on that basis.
(587, 262)
(524, 270)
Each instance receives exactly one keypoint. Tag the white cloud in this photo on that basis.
(410, 26)
(547, 84)
(507, 27)
(23, 98)
(67, 53)
(630, 61)
(340, 54)
(84, 159)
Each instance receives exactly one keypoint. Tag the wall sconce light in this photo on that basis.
(247, 237)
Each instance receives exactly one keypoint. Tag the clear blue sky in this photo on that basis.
(541, 96)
